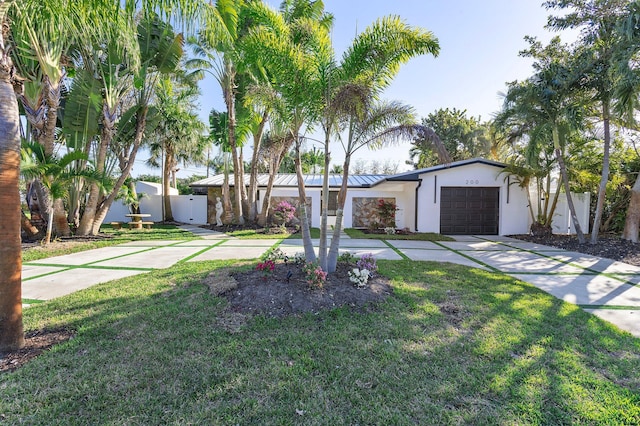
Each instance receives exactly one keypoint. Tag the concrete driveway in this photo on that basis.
(603, 287)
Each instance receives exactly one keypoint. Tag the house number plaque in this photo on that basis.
(472, 181)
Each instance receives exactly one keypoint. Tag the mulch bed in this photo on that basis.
(36, 342)
(610, 247)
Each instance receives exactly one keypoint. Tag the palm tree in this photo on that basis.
(351, 87)
(559, 108)
(56, 174)
(599, 46)
(11, 328)
(628, 104)
(178, 134)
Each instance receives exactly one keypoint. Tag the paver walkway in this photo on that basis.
(604, 287)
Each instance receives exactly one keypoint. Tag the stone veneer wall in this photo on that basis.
(365, 211)
(214, 192)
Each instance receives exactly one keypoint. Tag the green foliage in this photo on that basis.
(463, 137)
(387, 212)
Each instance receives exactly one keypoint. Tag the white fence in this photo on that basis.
(561, 223)
(190, 209)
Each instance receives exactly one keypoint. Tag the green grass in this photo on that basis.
(421, 236)
(251, 234)
(452, 345)
(159, 232)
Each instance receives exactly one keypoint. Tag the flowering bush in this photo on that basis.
(283, 212)
(266, 267)
(387, 212)
(359, 277)
(368, 262)
(316, 277)
(274, 254)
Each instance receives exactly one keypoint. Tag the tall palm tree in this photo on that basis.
(178, 135)
(550, 96)
(627, 94)
(11, 328)
(595, 67)
(367, 67)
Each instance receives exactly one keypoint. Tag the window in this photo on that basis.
(333, 203)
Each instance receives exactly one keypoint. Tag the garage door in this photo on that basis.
(469, 211)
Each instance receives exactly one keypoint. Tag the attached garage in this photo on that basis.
(469, 210)
(468, 197)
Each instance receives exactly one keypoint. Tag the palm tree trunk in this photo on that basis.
(605, 172)
(334, 250)
(166, 198)
(309, 253)
(238, 179)
(266, 201)
(567, 189)
(226, 193)
(106, 136)
(27, 226)
(325, 205)
(141, 122)
(11, 328)
(632, 221)
(253, 178)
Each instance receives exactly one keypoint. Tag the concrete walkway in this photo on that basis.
(603, 287)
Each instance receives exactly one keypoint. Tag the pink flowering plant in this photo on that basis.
(284, 212)
(316, 277)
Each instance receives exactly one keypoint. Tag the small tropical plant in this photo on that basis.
(316, 277)
(359, 277)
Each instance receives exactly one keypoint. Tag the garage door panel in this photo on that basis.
(465, 210)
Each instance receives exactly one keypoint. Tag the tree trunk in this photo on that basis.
(567, 189)
(11, 328)
(325, 205)
(60, 221)
(27, 226)
(632, 221)
(106, 136)
(226, 194)
(238, 179)
(252, 206)
(605, 172)
(141, 122)
(266, 201)
(334, 250)
(166, 198)
(309, 253)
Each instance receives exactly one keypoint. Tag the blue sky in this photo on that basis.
(479, 45)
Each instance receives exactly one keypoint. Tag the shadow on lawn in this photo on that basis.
(452, 345)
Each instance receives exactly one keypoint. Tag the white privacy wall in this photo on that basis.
(514, 216)
(185, 208)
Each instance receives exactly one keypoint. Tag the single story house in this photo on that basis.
(469, 197)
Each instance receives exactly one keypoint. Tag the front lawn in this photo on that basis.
(108, 237)
(418, 236)
(452, 345)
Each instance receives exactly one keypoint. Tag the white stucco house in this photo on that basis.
(469, 197)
